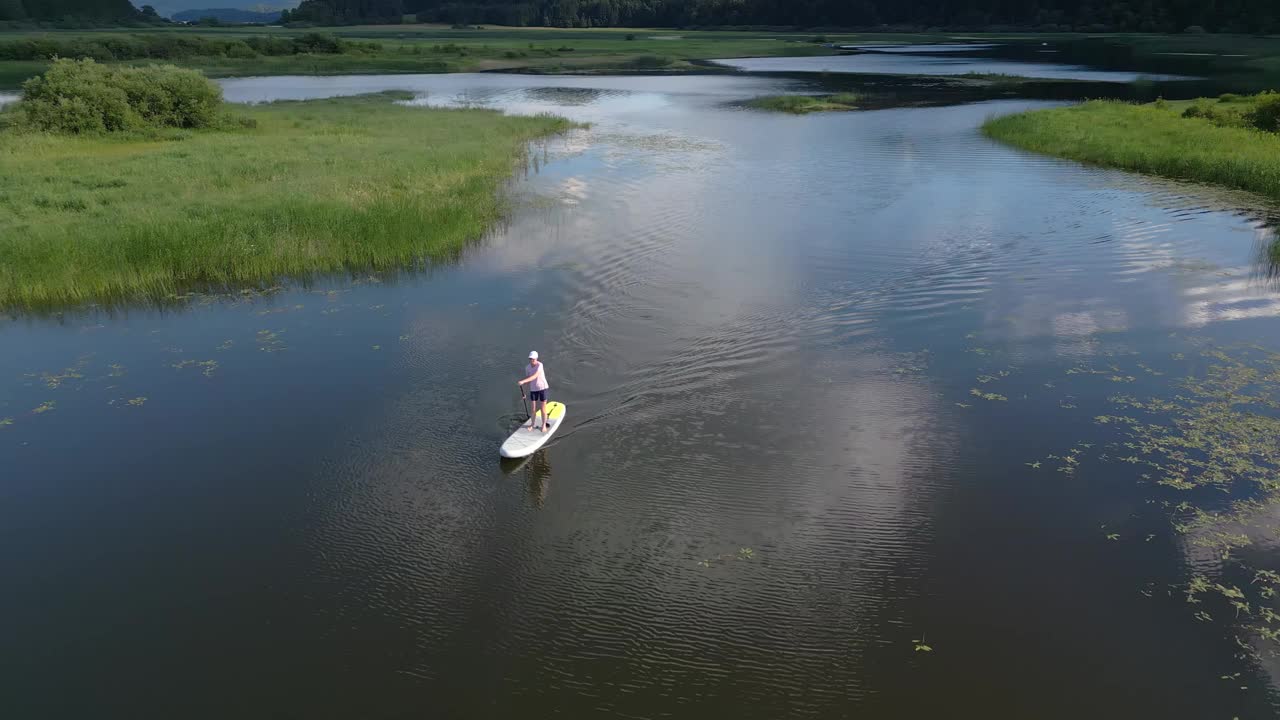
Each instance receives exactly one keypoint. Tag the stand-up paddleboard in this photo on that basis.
(525, 441)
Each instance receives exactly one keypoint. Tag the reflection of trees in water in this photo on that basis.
(1269, 252)
(537, 474)
(564, 95)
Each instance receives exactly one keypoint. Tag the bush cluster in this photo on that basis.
(1263, 113)
(1266, 112)
(85, 97)
(172, 46)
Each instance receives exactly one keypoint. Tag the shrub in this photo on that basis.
(320, 43)
(76, 96)
(651, 61)
(166, 96)
(270, 45)
(1228, 97)
(241, 50)
(631, 36)
(1265, 115)
(1222, 117)
(81, 96)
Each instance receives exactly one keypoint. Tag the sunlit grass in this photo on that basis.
(322, 186)
(1152, 138)
(804, 104)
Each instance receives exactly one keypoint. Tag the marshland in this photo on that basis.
(951, 402)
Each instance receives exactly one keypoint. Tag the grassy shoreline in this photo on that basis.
(320, 186)
(434, 49)
(1154, 138)
(1239, 62)
(805, 104)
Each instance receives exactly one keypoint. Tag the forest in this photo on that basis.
(99, 10)
(1237, 16)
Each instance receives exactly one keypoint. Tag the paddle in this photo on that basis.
(526, 403)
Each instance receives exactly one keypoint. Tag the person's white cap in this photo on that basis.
(533, 355)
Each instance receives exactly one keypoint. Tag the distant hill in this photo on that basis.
(227, 15)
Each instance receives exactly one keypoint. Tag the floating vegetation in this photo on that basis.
(912, 363)
(987, 396)
(920, 645)
(115, 370)
(55, 380)
(1079, 370)
(274, 311)
(44, 407)
(377, 347)
(6, 422)
(999, 375)
(742, 554)
(138, 401)
(269, 341)
(1219, 431)
(207, 367)
(225, 345)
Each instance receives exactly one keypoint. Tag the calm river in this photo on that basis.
(821, 374)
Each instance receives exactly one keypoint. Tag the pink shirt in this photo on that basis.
(540, 382)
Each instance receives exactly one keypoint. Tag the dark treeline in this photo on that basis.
(1244, 16)
(104, 10)
(173, 46)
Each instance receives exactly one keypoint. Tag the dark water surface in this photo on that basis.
(775, 484)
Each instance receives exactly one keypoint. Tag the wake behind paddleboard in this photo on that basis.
(524, 441)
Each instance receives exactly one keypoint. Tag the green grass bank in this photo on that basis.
(1157, 138)
(805, 104)
(320, 186)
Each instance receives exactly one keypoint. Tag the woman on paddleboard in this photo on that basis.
(538, 386)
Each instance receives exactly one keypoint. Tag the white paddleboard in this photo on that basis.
(524, 441)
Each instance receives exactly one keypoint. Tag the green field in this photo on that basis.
(321, 186)
(1242, 62)
(1154, 138)
(426, 48)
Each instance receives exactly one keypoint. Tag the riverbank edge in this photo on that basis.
(343, 185)
(1148, 139)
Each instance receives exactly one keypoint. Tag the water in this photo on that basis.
(909, 61)
(774, 482)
